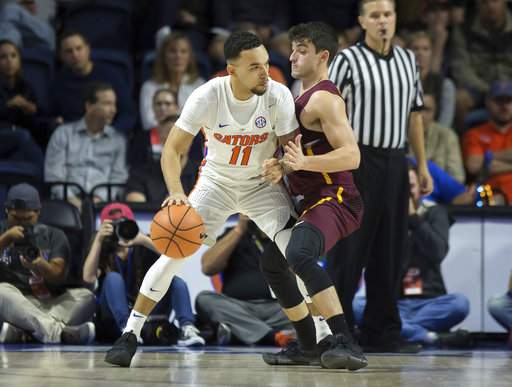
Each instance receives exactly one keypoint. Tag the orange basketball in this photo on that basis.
(177, 231)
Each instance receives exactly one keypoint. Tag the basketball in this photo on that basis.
(177, 231)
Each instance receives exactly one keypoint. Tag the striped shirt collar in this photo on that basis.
(378, 55)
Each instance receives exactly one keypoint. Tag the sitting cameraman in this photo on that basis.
(33, 265)
(116, 263)
(245, 310)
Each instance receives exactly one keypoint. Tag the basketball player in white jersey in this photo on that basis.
(244, 116)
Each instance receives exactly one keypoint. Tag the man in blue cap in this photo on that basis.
(33, 264)
(488, 148)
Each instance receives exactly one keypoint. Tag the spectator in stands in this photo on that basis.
(89, 151)
(17, 101)
(116, 267)
(33, 263)
(146, 181)
(19, 24)
(500, 307)
(216, 49)
(432, 80)
(267, 16)
(175, 68)
(245, 310)
(441, 143)
(427, 311)
(487, 148)
(482, 53)
(76, 72)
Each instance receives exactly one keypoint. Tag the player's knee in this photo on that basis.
(300, 258)
(304, 249)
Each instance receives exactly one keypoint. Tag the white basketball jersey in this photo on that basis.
(236, 150)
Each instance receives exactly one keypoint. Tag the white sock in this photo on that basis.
(135, 323)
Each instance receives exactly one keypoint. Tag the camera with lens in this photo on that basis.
(28, 245)
(124, 229)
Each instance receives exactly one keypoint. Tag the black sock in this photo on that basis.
(306, 332)
(338, 324)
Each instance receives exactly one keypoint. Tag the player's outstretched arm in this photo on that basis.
(178, 144)
(329, 110)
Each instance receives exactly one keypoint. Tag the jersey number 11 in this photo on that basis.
(246, 153)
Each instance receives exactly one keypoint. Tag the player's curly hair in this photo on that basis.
(238, 42)
(320, 34)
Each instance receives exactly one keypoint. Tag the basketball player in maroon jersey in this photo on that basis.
(331, 208)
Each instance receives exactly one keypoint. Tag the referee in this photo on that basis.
(382, 89)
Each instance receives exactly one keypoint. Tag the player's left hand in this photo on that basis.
(294, 157)
(272, 171)
(426, 183)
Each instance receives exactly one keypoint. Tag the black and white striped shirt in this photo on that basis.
(379, 91)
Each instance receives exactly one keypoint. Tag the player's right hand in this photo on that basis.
(177, 199)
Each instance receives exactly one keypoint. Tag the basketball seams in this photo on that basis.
(159, 225)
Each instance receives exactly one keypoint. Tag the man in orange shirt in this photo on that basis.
(488, 148)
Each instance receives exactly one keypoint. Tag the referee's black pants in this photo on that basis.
(378, 246)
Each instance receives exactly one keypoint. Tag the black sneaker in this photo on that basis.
(393, 346)
(292, 354)
(78, 334)
(345, 354)
(460, 338)
(122, 352)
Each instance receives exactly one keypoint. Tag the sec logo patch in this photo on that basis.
(260, 122)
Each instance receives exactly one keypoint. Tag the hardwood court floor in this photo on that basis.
(75, 366)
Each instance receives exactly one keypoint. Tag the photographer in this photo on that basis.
(116, 263)
(33, 265)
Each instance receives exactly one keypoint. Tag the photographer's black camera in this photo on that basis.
(28, 245)
(124, 229)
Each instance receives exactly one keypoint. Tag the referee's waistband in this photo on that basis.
(382, 151)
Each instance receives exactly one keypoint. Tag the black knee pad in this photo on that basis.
(277, 273)
(305, 247)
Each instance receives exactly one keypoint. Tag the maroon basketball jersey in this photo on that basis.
(313, 143)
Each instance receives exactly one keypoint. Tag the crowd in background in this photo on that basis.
(114, 89)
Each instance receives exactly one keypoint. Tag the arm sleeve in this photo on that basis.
(339, 71)
(446, 188)
(119, 172)
(59, 245)
(195, 113)
(417, 103)
(147, 115)
(447, 108)
(286, 122)
(55, 160)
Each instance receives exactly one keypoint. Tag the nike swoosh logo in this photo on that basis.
(223, 125)
(137, 315)
(154, 290)
(269, 106)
